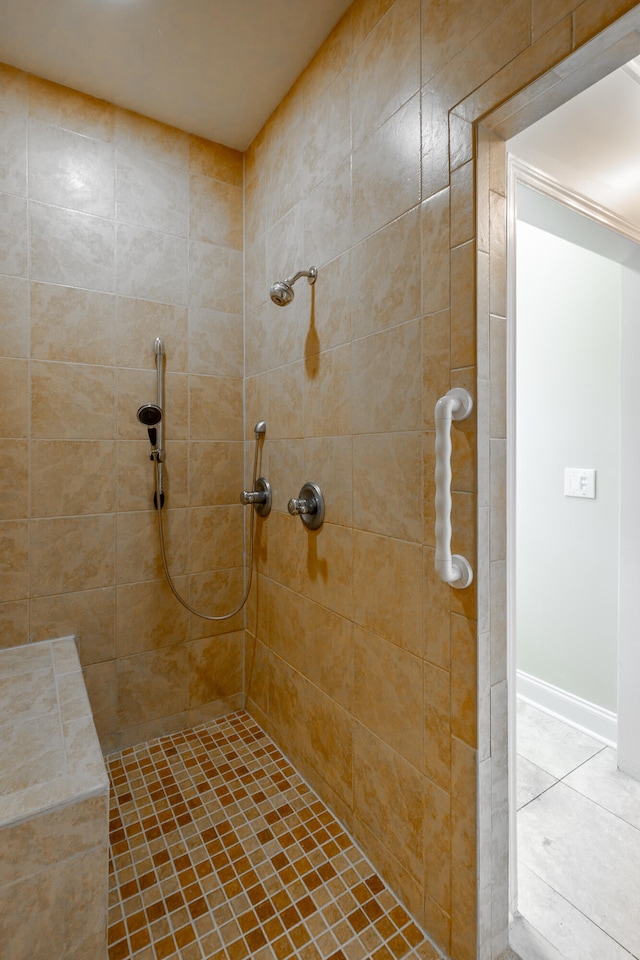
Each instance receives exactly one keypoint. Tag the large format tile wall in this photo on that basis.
(114, 230)
(359, 663)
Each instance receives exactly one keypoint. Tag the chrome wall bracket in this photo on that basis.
(309, 506)
(260, 498)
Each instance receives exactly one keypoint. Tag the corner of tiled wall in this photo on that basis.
(115, 230)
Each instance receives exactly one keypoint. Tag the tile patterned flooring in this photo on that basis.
(578, 841)
(220, 851)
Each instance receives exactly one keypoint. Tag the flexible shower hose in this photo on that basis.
(174, 589)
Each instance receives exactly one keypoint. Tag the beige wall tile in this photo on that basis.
(327, 394)
(71, 553)
(14, 409)
(14, 249)
(329, 659)
(89, 615)
(288, 542)
(386, 68)
(386, 277)
(215, 160)
(463, 306)
(215, 668)
(387, 380)
(70, 109)
(437, 847)
(72, 248)
(446, 30)
(215, 211)
(331, 460)
(286, 468)
(288, 624)
(437, 628)
(73, 325)
(215, 472)
(216, 537)
(215, 277)
(13, 154)
(387, 484)
(152, 685)
(328, 571)
(328, 131)
(503, 33)
(151, 194)
(139, 322)
(151, 138)
(151, 265)
(436, 334)
(14, 623)
(388, 789)
(14, 317)
(215, 343)
(138, 551)
(71, 171)
(75, 892)
(384, 570)
(435, 214)
(464, 679)
(330, 321)
(328, 735)
(14, 479)
(437, 725)
(386, 171)
(388, 694)
(435, 142)
(285, 387)
(215, 408)
(149, 616)
(72, 401)
(329, 60)
(327, 217)
(216, 594)
(14, 87)
(72, 477)
(14, 553)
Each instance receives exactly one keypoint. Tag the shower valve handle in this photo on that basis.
(298, 507)
(260, 498)
(309, 506)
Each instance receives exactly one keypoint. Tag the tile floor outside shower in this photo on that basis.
(220, 851)
(578, 841)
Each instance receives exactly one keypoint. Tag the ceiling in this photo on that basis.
(592, 143)
(217, 68)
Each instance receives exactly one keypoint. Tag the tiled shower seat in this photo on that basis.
(53, 808)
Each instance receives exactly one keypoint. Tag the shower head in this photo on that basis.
(149, 414)
(282, 290)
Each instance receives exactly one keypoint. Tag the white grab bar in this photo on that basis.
(457, 404)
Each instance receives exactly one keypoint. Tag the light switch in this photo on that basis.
(580, 482)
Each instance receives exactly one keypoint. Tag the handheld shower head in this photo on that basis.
(282, 290)
(149, 414)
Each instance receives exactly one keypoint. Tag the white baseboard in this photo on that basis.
(588, 717)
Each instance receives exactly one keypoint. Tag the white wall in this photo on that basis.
(629, 630)
(568, 368)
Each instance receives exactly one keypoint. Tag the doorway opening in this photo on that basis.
(502, 928)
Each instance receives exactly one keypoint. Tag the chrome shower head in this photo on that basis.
(149, 414)
(282, 290)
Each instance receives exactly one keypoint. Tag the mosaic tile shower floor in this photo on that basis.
(220, 851)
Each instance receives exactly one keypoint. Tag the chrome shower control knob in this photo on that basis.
(297, 507)
(309, 506)
(260, 498)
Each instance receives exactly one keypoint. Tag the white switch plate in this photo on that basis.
(579, 482)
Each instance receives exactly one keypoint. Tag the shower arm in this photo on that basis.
(455, 570)
(309, 274)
